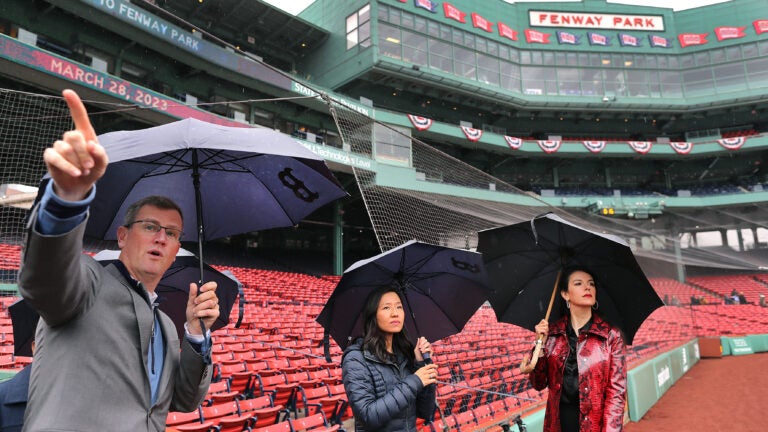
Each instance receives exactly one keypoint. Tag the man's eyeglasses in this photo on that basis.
(152, 228)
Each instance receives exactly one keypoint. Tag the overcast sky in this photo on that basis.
(296, 6)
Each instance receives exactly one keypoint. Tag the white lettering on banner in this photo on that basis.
(302, 89)
(142, 18)
(741, 346)
(663, 376)
(590, 20)
(75, 73)
(332, 154)
(184, 39)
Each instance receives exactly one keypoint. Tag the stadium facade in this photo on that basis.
(641, 121)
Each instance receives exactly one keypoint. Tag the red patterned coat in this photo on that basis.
(602, 376)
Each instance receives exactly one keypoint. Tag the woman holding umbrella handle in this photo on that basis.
(385, 377)
(582, 362)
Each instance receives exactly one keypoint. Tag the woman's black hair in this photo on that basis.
(565, 275)
(373, 337)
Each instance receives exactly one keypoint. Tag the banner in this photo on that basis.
(724, 33)
(513, 142)
(682, 147)
(565, 38)
(761, 26)
(687, 39)
(481, 23)
(426, 4)
(629, 40)
(533, 36)
(641, 147)
(659, 42)
(549, 146)
(472, 134)
(594, 146)
(454, 13)
(507, 32)
(420, 123)
(598, 39)
(732, 143)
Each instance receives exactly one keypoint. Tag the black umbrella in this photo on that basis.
(24, 321)
(525, 260)
(442, 288)
(173, 289)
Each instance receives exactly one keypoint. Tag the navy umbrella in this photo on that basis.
(24, 321)
(442, 287)
(173, 289)
(227, 180)
(525, 261)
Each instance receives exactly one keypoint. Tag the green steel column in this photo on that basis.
(679, 261)
(338, 238)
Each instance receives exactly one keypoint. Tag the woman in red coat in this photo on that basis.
(582, 363)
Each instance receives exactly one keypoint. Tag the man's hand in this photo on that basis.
(205, 306)
(76, 161)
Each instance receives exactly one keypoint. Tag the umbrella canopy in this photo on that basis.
(523, 261)
(24, 321)
(173, 289)
(442, 288)
(227, 180)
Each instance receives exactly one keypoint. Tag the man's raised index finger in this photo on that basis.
(79, 114)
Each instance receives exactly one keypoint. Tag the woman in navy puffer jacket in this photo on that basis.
(385, 377)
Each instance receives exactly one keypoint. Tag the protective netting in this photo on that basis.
(450, 203)
(448, 210)
(28, 124)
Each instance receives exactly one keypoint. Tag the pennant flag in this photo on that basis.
(454, 13)
(687, 39)
(641, 147)
(568, 38)
(724, 33)
(682, 147)
(420, 123)
(732, 143)
(472, 134)
(598, 39)
(629, 40)
(761, 26)
(660, 42)
(507, 32)
(513, 142)
(594, 146)
(533, 36)
(426, 4)
(549, 146)
(481, 23)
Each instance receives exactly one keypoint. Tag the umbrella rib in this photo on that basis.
(211, 161)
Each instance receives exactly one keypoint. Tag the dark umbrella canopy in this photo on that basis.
(238, 179)
(442, 287)
(523, 261)
(173, 289)
(24, 321)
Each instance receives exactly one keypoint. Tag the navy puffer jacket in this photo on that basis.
(384, 396)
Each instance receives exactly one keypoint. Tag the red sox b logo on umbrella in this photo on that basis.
(297, 186)
(463, 265)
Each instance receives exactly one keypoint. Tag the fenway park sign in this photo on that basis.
(596, 20)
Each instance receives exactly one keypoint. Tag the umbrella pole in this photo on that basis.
(528, 366)
(199, 214)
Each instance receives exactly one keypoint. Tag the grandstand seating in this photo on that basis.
(271, 371)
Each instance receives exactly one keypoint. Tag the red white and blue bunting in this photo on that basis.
(420, 123)
(732, 143)
(513, 142)
(641, 147)
(472, 134)
(594, 146)
(549, 146)
(682, 147)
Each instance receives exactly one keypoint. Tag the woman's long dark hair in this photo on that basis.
(373, 337)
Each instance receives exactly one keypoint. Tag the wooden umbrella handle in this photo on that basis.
(527, 366)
